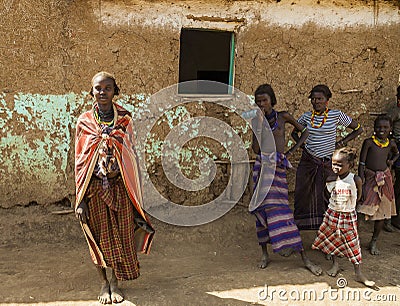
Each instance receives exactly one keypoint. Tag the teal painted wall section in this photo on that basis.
(37, 143)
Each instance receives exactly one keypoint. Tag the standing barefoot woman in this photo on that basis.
(108, 191)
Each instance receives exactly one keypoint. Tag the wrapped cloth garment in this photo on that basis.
(274, 218)
(378, 194)
(311, 197)
(114, 203)
(112, 223)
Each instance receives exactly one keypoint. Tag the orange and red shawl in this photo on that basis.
(88, 141)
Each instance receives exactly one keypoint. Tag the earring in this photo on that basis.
(374, 133)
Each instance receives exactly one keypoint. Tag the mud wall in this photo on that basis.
(51, 49)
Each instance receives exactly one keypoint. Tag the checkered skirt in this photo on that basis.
(111, 221)
(338, 235)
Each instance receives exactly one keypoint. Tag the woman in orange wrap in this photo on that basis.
(108, 189)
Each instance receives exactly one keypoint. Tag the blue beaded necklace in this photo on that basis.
(273, 115)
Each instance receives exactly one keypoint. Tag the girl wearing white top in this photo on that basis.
(338, 235)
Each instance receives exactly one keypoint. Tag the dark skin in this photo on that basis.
(319, 103)
(263, 101)
(376, 158)
(341, 167)
(103, 92)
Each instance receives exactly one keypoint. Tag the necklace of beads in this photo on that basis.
(99, 121)
(273, 114)
(379, 143)
(325, 113)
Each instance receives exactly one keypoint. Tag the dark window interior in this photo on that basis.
(204, 55)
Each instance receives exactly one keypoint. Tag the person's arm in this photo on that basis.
(257, 126)
(295, 134)
(330, 184)
(82, 211)
(363, 158)
(359, 183)
(255, 146)
(357, 130)
(394, 154)
(297, 127)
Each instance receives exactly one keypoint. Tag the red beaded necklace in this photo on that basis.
(323, 119)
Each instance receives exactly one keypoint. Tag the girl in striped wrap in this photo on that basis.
(108, 189)
(270, 202)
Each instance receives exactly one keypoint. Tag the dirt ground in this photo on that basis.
(44, 260)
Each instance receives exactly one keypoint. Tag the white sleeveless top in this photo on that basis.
(343, 194)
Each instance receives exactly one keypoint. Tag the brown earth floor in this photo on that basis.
(44, 260)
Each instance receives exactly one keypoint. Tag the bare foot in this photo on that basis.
(373, 250)
(286, 252)
(334, 270)
(104, 295)
(370, 284)
(116, 293)
(315, 269)
(264, 262)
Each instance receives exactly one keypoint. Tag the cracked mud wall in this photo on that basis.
(359, 65)
(51, 49)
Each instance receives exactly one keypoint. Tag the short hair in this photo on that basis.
(266, 89)
(107, 76)
(349, 153)
(383, 118)
(321, 88)
(398, 92)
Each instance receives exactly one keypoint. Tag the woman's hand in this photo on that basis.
(82, 212)
(362, 176)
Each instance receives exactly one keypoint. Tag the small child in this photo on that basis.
(338, 235)
(377, 155)
(270, 202)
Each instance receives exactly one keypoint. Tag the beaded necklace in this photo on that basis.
(99, 120)
(323, 119)
(273, 114)
(379, 143)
